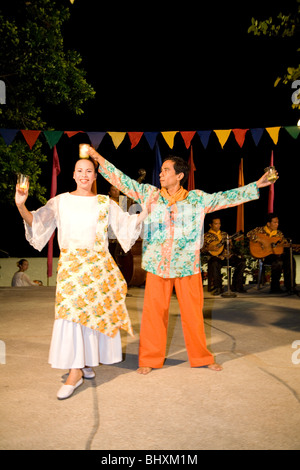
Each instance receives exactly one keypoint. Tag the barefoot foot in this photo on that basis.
(144, 370)
(215, 366)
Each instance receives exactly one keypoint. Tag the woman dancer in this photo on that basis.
(90, 295)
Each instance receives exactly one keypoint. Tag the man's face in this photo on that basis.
(168, 177)
(273, 225)
(215, 225)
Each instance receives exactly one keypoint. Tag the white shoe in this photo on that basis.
(67, 390)
(88, 373)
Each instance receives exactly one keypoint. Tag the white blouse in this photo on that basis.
(76, 217)
(20, 279)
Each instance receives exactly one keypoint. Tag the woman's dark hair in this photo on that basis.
(90, 159)
(20, 263)
(180, 166)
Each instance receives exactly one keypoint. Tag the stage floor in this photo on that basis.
(254, 403)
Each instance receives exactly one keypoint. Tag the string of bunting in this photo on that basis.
(53, 137)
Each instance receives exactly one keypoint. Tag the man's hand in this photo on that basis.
(263, 181)
(95, 155)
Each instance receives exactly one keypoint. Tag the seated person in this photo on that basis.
(20, 279)
(215, 248)
(270, 246)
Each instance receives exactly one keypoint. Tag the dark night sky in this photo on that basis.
(182, 67)
(185, 66)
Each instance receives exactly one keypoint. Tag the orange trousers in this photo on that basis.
(154, 324)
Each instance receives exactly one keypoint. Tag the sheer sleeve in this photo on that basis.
(27, 281)
(125, 226)
(43, 225)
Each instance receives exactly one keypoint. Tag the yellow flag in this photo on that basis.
(222, 135)
(273, 132)
(117, 138)
(169, 137)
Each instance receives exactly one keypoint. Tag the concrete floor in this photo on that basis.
(254, 403)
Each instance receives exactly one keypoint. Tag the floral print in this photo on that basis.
(91, 289)
(172, 240)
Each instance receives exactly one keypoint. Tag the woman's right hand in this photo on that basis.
(21, 195)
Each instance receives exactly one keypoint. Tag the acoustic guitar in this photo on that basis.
(217, 248)
(264, 246)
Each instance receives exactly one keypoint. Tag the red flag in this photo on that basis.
(55, 173)
(191, 180)
(240, 208)
(187, 137)
(240, 135)
(30, 137)
(271, 190)
(135, 137)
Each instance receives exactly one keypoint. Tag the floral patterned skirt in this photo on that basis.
(91, 290)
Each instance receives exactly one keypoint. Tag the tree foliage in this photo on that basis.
(39, 75)
(281, 26)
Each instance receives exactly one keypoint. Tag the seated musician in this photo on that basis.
(215, 248)
(268, 244)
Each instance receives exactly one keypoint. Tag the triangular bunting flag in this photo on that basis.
(187, 137)
(256, 134)
(117, 138)
(169, 137)
(293, 131)
(52, 137)
(96, 138)
(273, 132)
(30, 137)
(135, 137)
(204, 137)
(151, 138)
(222, 136)
(8, 135)
(72, 133)
(240, 135)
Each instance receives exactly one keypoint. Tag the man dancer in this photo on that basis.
(171, 255)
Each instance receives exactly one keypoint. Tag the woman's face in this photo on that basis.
(24, 266)
(84, 174)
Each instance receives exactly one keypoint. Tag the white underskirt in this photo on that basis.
(74, 346)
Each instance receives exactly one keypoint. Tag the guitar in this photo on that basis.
(217, 248)
(264, 246)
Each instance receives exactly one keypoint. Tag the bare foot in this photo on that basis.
(144, 370)
(74, 376)
(215, 366)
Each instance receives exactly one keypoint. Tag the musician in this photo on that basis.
(270, 240)
(216, 250)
